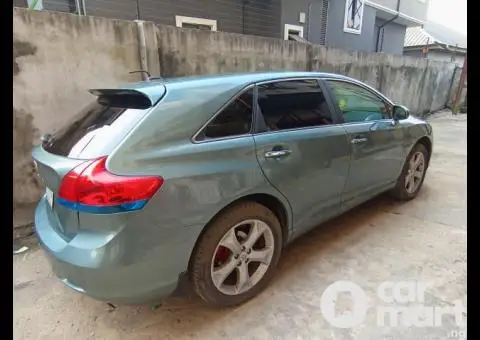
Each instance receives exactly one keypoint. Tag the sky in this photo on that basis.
(449, 13)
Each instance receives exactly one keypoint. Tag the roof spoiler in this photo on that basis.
(134, 98)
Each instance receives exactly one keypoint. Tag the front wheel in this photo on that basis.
(413, 173)
(237, 255)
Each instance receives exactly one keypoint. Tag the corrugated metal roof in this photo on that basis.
(417, 36)
(434, 33)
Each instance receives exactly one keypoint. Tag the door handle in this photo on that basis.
(358, 140)
(277, 153)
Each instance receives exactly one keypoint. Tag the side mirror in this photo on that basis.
(400, 112)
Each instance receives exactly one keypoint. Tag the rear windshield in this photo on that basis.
(97, 129)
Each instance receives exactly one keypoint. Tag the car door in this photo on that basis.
(301, 149)
(376, 140)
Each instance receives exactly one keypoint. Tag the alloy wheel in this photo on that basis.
(415, 172)
(242, 257)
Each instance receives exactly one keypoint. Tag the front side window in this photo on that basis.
(293, 104)
(234, 120)
(358, 104)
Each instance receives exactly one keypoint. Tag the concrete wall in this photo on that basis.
(419, 84)
(454, 79)
(57, 57)
(186, 52)
(436, 55)
(443, 56)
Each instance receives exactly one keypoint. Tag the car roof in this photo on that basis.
(252, 77)
(223, 81)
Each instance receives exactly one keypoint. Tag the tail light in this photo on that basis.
(90, 187)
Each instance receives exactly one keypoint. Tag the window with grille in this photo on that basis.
(323, 22)
(353, 16)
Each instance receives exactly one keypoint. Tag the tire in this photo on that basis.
(205, 257)
(401, 191)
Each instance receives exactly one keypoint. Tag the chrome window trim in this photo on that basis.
(317, 78)
(296, 129)
(263, 82)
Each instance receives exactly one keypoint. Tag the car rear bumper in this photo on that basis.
(100, 286)
(135, 264)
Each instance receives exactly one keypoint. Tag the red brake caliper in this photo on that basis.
(222, 254)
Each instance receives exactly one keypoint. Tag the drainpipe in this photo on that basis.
(77, 7)
(244, 19)
(380, 28)
(309, 14)
(84, 7)
(142, 49)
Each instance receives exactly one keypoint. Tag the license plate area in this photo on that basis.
(49, 197)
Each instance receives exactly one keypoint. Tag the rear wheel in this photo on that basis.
(413, 173)
(237, 255)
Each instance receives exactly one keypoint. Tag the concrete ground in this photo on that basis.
(423, 240)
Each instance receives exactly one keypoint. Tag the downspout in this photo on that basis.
(81, 7)
(380, 28)
(77, 7)
(84, 7)
(138, 9)
(244, 19)
(142, 48)
(309, 14)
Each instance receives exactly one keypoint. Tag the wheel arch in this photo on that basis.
(279, 208)
(427, 143)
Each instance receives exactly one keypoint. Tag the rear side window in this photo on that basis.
(234, 120)
(97, 129)
(293, 104)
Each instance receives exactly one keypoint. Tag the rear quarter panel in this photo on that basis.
(200, 177)
(200, 180)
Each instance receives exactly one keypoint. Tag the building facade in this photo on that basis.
(435, 42)
(360, 25)
(373, 26)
